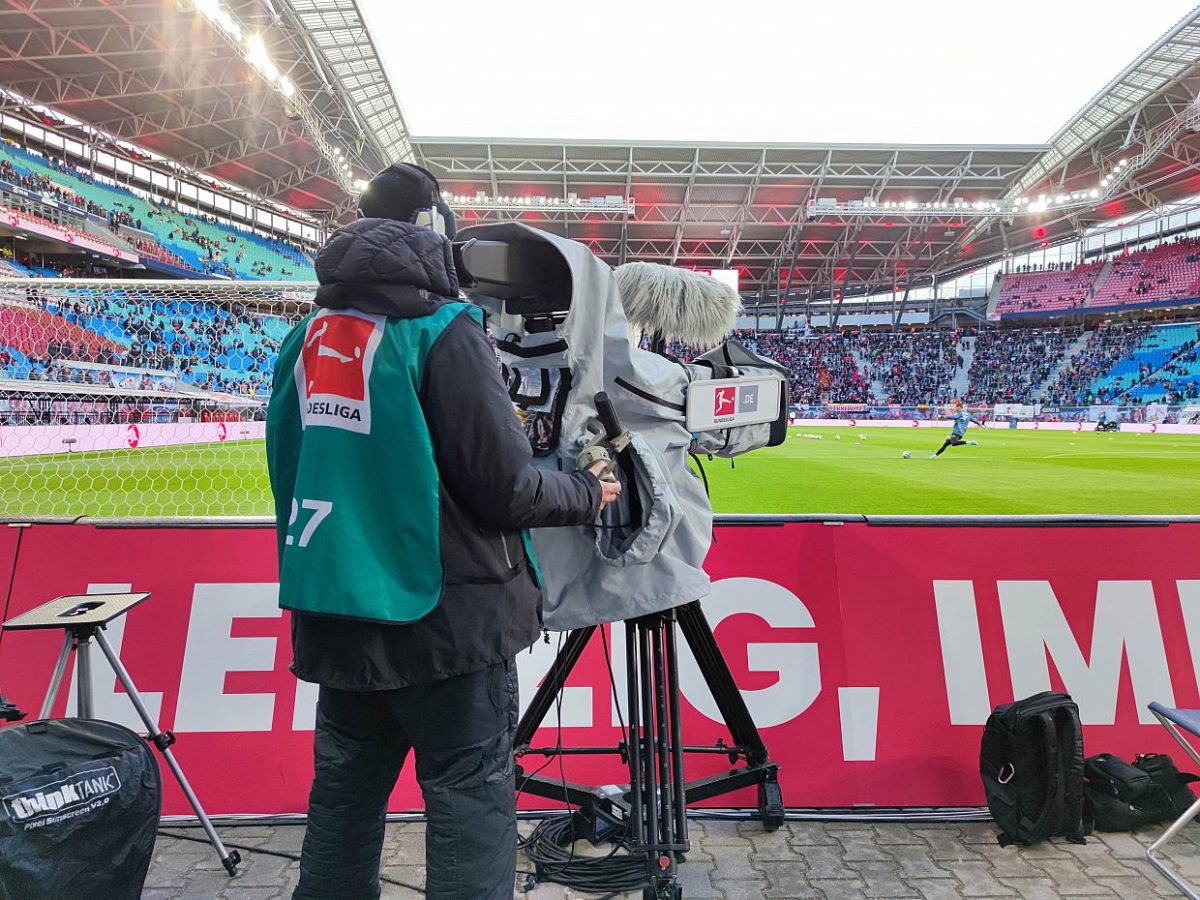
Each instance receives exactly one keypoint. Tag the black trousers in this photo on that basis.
(955, 440)
(461, 731)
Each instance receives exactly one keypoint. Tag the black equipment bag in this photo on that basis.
(1123, 797)
(79, 806)
(1119, 795)
(1031, 761)
(1172, 785)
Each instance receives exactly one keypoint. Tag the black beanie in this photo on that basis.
(402, 190)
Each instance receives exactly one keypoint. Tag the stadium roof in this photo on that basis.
(171, 77)
(716, 205)
(738, 205)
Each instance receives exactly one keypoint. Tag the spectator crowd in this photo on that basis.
(913, 366)
(229, 348)
(1104, 348)
(1010, 364)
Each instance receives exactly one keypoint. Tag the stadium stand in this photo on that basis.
(1155, 349)
(914, 366)
(1010, 364)
(1049, 291)
(1169, 272)
(10, 268)
(822, 368)
(1177, 382)
(59, 230)
(191, 241)
(1167, 361)
(1105, 347)
(225, 347)
(210, 347)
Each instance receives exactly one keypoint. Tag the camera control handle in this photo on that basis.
(608, 416)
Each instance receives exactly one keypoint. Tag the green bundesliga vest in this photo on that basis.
(352, 466)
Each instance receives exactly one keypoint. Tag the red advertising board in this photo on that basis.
(10, 538)
(870, 655)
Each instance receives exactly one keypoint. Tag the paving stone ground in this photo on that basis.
(737, 860)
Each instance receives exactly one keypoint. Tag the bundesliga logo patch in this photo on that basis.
(333, 371)
(724, 399)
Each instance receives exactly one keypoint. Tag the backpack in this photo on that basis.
(1123, 797)
(79, 808)
(1031, 762)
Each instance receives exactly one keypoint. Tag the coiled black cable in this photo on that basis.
(551, 847)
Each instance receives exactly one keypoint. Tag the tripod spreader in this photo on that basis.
(653, 809)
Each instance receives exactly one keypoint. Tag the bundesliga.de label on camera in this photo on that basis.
(732, 402)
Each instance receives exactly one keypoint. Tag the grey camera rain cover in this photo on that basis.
(621, 569)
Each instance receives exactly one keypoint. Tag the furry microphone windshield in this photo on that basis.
(677, 304)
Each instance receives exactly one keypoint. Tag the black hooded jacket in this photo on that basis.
(490, 607)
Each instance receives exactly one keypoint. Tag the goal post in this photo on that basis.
(138, 398)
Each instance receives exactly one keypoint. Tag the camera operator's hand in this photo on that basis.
(609, 490)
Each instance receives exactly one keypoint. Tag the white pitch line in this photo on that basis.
(1154, 454)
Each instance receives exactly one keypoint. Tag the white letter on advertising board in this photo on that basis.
(304, 712)
(575, 702)
(1189, 603)
(797, 665)
(858, 708)
(211, 653)
(1126, 625)
(962, 652)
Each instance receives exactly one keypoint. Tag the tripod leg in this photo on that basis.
(636, 799)
(681, 832)
(661, 736)
(83, 678)
(163, 742)
(60, 669)
(547, 691)
(649, 778)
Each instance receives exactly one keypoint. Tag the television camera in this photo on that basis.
(568, 331)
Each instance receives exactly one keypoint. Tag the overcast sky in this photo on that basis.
(920, 71)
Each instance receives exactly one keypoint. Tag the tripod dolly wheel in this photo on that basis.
(770, 804)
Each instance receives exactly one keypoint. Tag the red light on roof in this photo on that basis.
(1039, 232)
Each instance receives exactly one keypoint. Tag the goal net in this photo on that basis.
(138, 399)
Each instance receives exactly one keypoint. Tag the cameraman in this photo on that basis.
(403, 486)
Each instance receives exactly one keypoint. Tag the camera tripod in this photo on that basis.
(653, 810)
(83, 617)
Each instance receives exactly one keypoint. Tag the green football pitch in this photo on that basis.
(846, 471)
